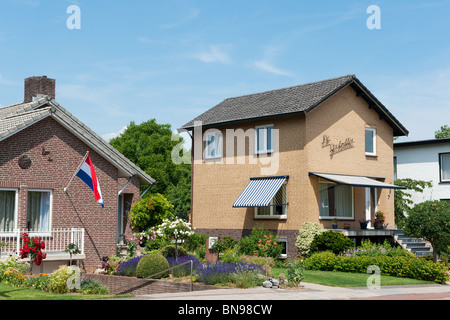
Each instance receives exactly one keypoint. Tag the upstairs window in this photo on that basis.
(264, 139)
(213, 148)
(444, 163)
(371, 147)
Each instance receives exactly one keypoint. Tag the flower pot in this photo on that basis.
(363, 225)
(378, 225)
(334, 226)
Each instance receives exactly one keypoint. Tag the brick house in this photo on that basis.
(42, 146)
(310, 153)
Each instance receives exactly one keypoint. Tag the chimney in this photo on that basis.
(37, 87)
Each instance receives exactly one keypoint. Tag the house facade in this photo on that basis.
(278, 159)
(427, 160)
(43, 145)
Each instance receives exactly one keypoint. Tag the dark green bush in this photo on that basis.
(151, 264)
(403, 267)
(169, 251)
(331, 241)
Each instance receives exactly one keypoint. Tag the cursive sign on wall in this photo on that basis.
(339, 147)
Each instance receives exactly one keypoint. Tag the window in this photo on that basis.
(8, 210)
(264, 139)
(395, 168)
(39, 209)
(335, 200)
(213, 147)
(277, 207)
(371, 148)
(444, 163)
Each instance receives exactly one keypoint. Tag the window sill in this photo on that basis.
(338, 218)
(282, 217)
(371, 155)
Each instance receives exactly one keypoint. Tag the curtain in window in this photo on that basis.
(7, 210)
(343, 201)
(38, 210)
(445, 167)
(335, 200)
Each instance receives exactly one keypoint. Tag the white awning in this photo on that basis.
(259, 192)
(356, 181)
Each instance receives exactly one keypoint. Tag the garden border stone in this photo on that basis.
(139, 286)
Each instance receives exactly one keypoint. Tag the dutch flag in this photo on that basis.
(87, 174)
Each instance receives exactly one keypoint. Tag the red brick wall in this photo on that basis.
(76, 208)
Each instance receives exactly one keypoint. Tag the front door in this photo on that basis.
(371, 205)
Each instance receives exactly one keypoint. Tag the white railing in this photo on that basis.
(55, 240)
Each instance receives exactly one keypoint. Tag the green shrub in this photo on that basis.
(332, 241)
(295, 272)
(403, 267)
(58, 280)
(169, 251)
(15, 263)
(249, 245)
(93, 287)
(152, 264)
(305, 236)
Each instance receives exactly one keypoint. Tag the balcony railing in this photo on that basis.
(55, 240)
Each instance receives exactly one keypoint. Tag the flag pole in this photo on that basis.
(76, 171)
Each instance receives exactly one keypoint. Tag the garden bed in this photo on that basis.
(138, 286)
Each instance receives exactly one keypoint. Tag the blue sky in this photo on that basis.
(172, 60)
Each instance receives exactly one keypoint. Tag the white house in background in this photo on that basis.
(427, 160)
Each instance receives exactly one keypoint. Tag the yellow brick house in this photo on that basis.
(309, 153)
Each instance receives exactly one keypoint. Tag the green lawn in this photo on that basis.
(347, 279)
(8, 292)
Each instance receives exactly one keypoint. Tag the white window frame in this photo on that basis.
(218, 145)
(272, 214)
(339, 217)
(374, 141)
(16, 210)
(441, 176)
(265, 149)
(50, 213)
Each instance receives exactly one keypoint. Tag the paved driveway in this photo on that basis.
(310, 291)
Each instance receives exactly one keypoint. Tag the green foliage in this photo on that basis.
(370, 249)
(152, 264)
(295, 272)
(169, 251)
(332, 241)
(249, 245)
(149, 145)
(402, 198)
(150, 211)
(444, 132)
(403, 267)
(92, 287)
(305, 236)
(58, 280)
(223, 244)
(430, 220)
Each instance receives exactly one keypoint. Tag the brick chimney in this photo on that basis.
(36, 87)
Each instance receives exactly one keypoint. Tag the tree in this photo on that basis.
(150, 211)
(444, 132)
(402, 199)
(430, 220)
(149, 145)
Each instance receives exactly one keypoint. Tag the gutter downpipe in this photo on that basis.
(118, 206)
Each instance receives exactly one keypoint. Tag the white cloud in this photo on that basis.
(214, 53)
(109, 136)
(268, 67)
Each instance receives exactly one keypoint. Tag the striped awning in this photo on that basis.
(259, 192)
(356, 181)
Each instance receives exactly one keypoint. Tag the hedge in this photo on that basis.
(403, 267)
